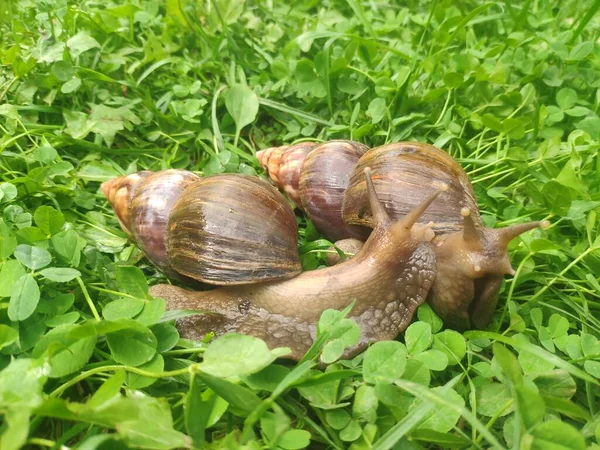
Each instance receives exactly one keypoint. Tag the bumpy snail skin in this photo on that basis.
(389, 277)
(119, 192)
(471, 266)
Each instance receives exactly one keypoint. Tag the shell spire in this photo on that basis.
(283, 166)
(119, 193)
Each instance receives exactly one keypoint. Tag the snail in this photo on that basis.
(239, 232)
(471, 259)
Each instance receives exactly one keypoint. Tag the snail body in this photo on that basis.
(387, 279)
(471, 260)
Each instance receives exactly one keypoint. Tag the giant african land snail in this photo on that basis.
(471, 259)
(239, 231)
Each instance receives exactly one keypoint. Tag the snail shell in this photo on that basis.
(151, 205)
(315, 177)
(233, 229)
(119, 192)
(405, 173)
(283, 165)
(142, 202)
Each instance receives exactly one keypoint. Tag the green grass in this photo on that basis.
(92, 90)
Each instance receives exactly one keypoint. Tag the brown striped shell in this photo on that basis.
(404, 174)
(233, 229)
(315, 177)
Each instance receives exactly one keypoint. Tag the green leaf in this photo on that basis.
(384, 361)
(71, 86)
(45, 154)
(433, 359)
(556, 435)
(556, 198)
(108, 391)
(63, 70)
(337, 418)
(377, 110)
(152, 312)
(132, 281)
(10, 272)
(48, 219)
(236, 355)
(444, 416)
(351, 433)
(493, 399)
(426, 314)
(557, 383)
(451, 343)
(166, 336)
(155, 365)
(229, 11)
(60, 274)
(418, 337)
(294, 439)
(21, 384)
(24, 298)
(33, 257)
(68, 354)
(81, 43)
(7, 336)
(145, 434)
(132, 346)
(8, 241)
(68, 246)
(365, 404)
(581, 51)
(566, 98)
(16, 430)
(8, 192)
(124, 308)
(332, 351)
(530, 405)
(242, 104)
(237, 396)
(63, 319)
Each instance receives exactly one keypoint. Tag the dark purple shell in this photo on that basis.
(323, 182)
(150, 207)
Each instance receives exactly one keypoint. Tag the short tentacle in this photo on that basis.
(470, 231)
